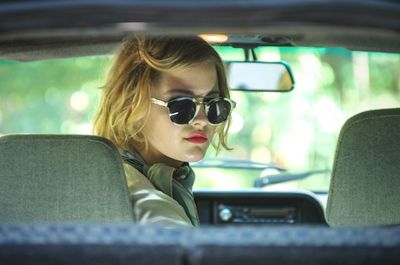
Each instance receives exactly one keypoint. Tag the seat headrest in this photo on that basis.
(365, 183)
(61, 178)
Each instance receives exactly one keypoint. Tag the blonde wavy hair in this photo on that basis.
(137, 67)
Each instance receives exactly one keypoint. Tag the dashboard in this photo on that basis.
(217, 207)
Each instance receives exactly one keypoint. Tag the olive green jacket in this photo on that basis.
(163, 196)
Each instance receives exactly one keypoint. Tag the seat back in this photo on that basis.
(94, 244)
(365, 184)
(61, 178)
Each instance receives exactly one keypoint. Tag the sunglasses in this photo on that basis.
(183, 110)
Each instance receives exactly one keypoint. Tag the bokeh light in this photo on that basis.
(79, 101)
(85, 128)
(237, 123)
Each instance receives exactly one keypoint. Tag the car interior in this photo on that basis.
(64, 198)
(66, 178)
(371, 136)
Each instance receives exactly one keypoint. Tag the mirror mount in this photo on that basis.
(247, 49)
(247, 54)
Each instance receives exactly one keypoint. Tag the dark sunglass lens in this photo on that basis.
(218, 111)
(181, 111)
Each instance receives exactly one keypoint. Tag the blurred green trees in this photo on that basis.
(38, 97)
(297, 130)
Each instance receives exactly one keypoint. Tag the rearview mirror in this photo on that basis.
(260, 76)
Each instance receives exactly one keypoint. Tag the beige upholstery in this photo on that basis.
(61, 178)
(365, 184)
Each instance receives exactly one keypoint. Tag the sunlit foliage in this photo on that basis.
(297, 130)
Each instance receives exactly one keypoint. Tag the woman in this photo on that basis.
(163, 102)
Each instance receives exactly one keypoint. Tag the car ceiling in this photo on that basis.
(34, 30)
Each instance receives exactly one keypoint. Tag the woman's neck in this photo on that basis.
(150, 157)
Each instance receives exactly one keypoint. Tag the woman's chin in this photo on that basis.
(194, 157)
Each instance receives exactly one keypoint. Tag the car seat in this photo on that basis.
(365, 183)
(61, 178)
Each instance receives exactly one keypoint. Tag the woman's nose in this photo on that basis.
(201, 117)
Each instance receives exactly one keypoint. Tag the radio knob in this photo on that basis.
(225, 214)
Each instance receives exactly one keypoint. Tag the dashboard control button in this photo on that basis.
(225, 214)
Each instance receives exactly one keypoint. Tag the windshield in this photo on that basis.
(294, 131)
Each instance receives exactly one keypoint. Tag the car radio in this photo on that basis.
(258, 207)
(255, 214)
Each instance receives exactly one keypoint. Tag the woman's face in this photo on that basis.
(172, 144)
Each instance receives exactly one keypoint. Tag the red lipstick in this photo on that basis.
(197, 138)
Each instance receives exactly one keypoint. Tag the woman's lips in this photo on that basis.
(197, 138)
